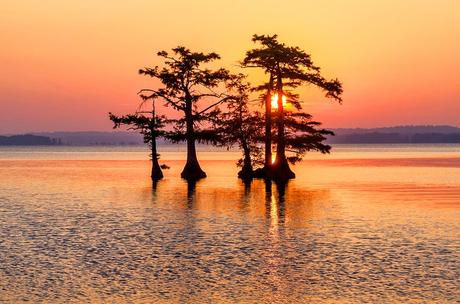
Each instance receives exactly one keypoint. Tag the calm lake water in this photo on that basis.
(367, 224)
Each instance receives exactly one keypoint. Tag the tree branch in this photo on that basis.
(168, 100)
(215, 104)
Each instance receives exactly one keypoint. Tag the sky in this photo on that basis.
(66, 64)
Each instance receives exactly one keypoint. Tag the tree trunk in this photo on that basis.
(192, 170)
(280, 169)
(247, 170)
(156, 174)
(268, 128)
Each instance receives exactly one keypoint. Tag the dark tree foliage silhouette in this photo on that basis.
(288, 68)
(238, 126)
(302, 134)
(189, 86)
(150, 126)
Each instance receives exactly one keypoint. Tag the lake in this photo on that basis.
(366, 224)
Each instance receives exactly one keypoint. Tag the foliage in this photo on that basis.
(186, 83)
(290, 63)
(150, 127)
(238, 126)
(190, 86)
(288, 68)
(302, 135)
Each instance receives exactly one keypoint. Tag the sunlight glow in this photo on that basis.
(275, 101)
(273, 158)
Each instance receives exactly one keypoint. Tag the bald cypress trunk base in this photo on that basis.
(247, 171)
(246, 174)
(281, 171)
(157, 173)
(192, 171)
(261, 173)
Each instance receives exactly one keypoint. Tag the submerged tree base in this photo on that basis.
(280, 170)
(157, 173)
(192, 171)
(274, 174)
(260, 173)
(282, 173)
(246, 173)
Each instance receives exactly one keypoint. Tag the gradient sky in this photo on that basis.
(65, 64)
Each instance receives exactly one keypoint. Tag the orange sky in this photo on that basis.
(65, 64)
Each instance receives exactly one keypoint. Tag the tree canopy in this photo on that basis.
(188, 86)
(215, 107)
(288, 68)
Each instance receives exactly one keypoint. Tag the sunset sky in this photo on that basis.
(65, 64)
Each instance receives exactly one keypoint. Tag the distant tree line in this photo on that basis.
(216, 107)
(28, 140)
(394, 138)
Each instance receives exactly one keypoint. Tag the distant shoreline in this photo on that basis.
(387, 135)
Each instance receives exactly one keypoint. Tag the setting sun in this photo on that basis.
(275, 101)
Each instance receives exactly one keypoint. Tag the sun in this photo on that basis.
(275, 101)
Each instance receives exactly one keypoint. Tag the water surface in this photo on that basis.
(367, 224)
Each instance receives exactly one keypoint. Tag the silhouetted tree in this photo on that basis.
(264, 58)
(186, 84)
(302, 134)
(288, 68)
(150, 126)
(238, 126)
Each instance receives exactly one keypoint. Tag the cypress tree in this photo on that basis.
(186, 86)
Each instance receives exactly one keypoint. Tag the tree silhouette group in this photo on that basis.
(215, 107)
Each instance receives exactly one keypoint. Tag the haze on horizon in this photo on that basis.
(65, 65)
